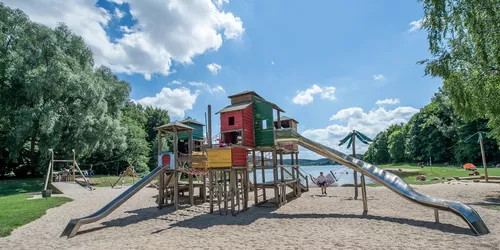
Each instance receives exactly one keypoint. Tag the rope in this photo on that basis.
(337, 179)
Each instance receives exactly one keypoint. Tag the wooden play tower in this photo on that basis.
(186, 155)
(247, 143)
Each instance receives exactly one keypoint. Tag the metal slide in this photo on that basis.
(388, 179)
(74, 224)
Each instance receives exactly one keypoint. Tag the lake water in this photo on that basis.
(342, 173)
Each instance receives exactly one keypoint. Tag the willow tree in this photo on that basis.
(350, 139)
(464, 41)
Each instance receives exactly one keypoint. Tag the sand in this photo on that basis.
(309, 222)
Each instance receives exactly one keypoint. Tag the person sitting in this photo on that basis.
(322, 183)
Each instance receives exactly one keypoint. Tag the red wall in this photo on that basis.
(239, 156)
(224, 120)
(248, 133)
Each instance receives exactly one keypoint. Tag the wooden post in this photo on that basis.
(275, 175)
(203, 189)
(233, 182)
(279, 119)
(294, 177)
(246, 188)
(363, 194)
(73, 167)
(281, 167)
(355, 173)
(209, 126)
(436, 215)
(161, 191)
(262, 164)
(256, 198)
(484, 158)
(51, 174)
(176, 172)
(190, 166)
(211, 194)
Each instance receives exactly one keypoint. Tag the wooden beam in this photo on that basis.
(355, 175)
(484, 158)
(209, 126)
(275, 175)
(211, 189)
(254, 164)
(176, 171)
(262, 163)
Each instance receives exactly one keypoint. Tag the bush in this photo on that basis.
(22, 171)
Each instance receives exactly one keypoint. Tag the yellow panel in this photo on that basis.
(218, 158)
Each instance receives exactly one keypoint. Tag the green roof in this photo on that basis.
(192, 121)
(170, 127)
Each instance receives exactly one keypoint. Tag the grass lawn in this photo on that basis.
(16, 209)
(108, 180)
(439, 171)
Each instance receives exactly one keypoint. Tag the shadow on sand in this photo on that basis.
(208, 220)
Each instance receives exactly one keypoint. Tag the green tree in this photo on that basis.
(53, 96)
(464, 44)
(397, 146)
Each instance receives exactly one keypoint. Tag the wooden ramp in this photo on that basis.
(68, 188)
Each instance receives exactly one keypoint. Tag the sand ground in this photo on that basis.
(309, 222)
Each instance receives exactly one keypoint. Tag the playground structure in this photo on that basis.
(129, 171)
(61, 176)
(248, 141)
(247, 132)
(186, 157)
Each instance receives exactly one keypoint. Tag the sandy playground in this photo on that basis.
(309, 222)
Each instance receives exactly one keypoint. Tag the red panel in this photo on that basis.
(224, 120)
(165, 160)
(239, 156)
(248, 132)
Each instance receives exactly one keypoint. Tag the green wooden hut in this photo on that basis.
(197, 133)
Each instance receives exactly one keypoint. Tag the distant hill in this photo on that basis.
(307, 162)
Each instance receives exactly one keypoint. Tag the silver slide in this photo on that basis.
(388, 179)
(74, 224)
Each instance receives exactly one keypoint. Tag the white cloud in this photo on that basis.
(166, 31)
(416, 25)
(208, 88)
(370, 124)
(272, 62)
(119, 14)
(219, 3)
(147, 76)
(378, 77)
(214, 68)
(126, 29)
(392, 101)
(175, 101)
(305, 97)
(176, 82)
(328, 93)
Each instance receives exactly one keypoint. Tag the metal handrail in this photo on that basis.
(46, 184)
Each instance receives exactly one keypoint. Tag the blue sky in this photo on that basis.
(355, 52)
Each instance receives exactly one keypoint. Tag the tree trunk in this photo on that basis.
(484, 159)
(33, 162)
